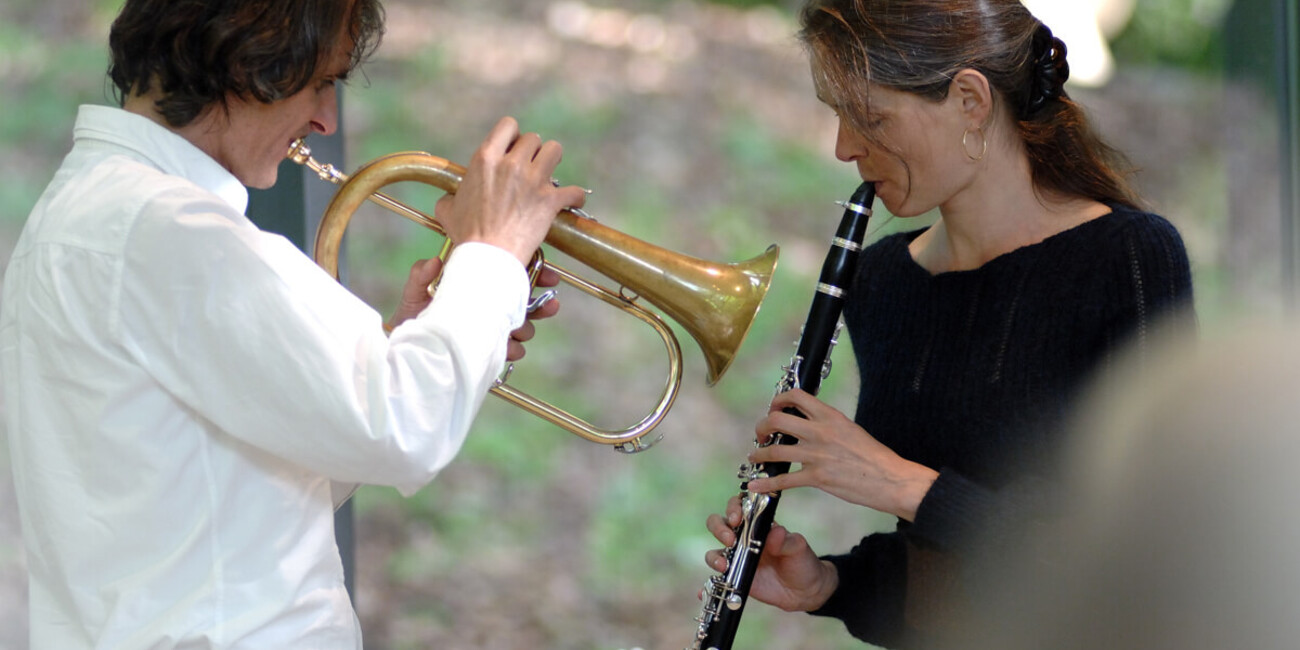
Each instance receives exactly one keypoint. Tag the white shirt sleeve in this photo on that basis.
(247, 331)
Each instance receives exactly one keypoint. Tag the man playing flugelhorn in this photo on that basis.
(182, 388)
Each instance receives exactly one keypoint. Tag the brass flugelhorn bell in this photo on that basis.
(715, 303)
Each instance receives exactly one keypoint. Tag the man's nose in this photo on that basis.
(326, 119)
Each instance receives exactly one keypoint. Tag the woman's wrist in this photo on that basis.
(826, 586)
(912, 490)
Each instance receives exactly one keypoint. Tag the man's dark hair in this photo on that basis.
(199, 52)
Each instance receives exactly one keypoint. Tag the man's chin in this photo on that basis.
(264, 182)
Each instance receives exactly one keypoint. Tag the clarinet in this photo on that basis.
(725, 594)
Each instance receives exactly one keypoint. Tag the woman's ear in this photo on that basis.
(973, 94)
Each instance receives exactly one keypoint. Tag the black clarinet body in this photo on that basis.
(725, 594)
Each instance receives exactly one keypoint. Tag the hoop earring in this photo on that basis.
(984, 144)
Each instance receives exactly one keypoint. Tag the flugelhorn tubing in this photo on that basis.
(715, 303)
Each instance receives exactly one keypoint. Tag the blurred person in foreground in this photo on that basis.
(1181, 529)
(972, 336)
(181, 389)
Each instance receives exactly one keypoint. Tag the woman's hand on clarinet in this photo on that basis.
(789, 575)
(837, 456)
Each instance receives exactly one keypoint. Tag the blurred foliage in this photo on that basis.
(1184, 34)
(44, 83)
(743, 4)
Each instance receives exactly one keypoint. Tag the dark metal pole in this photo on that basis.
(1262, 42)
(1288, 81)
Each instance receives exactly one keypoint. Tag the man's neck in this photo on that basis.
(146, 106)
(200, 132)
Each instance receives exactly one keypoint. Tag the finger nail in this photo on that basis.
(556, 182)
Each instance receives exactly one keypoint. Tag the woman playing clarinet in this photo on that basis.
(973, 335)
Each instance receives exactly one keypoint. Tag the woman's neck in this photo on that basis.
(1000, 211)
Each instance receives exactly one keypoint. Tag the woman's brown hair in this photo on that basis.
(917, 46)
(199, 52)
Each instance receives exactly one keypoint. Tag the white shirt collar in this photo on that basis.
(165, 149)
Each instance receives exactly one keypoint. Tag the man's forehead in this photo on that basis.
(339, 62)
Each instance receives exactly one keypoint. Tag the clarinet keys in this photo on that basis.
(725, 594)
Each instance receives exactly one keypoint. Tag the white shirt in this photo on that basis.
(180, 388)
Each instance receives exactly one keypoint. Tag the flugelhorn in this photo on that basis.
(715, 303)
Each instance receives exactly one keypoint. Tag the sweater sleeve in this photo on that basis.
(952, 510)
(1153, 285)
(873, 583)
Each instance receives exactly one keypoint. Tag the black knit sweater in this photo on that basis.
(972, 372)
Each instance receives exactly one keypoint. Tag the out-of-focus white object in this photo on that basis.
(1086, 27)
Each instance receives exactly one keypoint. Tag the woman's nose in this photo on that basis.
(848, 144)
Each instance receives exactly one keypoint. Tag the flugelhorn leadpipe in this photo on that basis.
(715, 303)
